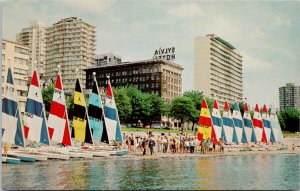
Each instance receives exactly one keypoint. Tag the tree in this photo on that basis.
(196, 97)
(47, 94)
(182, 108)
(157, 108)
(123, 104)
(70, 106)
(290, 118)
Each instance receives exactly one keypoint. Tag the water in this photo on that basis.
(230, 172)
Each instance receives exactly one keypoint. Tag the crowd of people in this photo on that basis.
(180, 143)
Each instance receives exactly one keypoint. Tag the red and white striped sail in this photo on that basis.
(58, 122)
(258, 126)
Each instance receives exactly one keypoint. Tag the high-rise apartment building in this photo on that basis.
(289, 96)
(34, 37)
(218, 69)
(71, 44)
(16, 56)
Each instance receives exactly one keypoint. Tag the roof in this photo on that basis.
(138, 62)
(225, 42)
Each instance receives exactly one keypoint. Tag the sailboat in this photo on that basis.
(238, 124)
(228, 132)
(248, 126)
(12, 127)
(58, 122)
(81, 131)
(217, 120)
(275, 126)
(258, 126)
(267, 125)
(96, 114)
(35, 124)
(111, 117)
(205, 125)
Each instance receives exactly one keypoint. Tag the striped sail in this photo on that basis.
(58, 122)
(81, 126)
(35, 126)
(112, 121)
(96, 115)
(248, 126)
(12, 127)
(258, 126)
(238, 124)
(205, 126)
(267, 125)
(217, 120)
(275, 126)
(228, 125)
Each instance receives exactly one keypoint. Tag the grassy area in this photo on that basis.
(291, 135)
(131, 129)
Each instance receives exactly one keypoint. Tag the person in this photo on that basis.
(192, 144)
(151, 145)
(293, 147)
(144, 146)
(202, 145)
(159, 143)
(165, 144)
(222, 146)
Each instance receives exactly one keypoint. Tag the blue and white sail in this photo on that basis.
(217, 120)
(96, 114)
(35, 124)
(238, 124)
(248, 126)
(275, 126)
(267, 125)
(12, 127)
(228, 132)
(112, 121)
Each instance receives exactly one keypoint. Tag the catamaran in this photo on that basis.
(238, 124)
(228, 132)
(96, 114)
(267, 125)
(248, 126)
(205, 125)
(217, 120)
(258, 126)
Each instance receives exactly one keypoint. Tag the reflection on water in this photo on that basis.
(232, 172)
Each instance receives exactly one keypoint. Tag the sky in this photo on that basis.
(265, 33)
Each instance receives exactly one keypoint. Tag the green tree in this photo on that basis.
(123, 104)
(157, 108)
(290, 118)
(47, 94)
(196, 97)
(182, 108)
(70, 106)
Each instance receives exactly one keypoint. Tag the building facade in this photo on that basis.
(16, 56)
(159, 77)
(218, 69)
(71, 44)
(107, 59)
(34, 37)
(289, 96)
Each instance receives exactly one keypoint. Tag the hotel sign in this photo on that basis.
(164, 54)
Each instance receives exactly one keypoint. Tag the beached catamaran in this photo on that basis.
(35, 123)
(267, 124)
(217, 120)
(275, 126)
(112, 120)
(81, 131)
(238, 124)
(96, 114)
(258, 126)
(12, 127)
(58, 122)
(205, 125)
(248, 126)
(228, 126)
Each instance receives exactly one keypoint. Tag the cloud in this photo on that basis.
(251, 63)
(91, 6)
(185, 10)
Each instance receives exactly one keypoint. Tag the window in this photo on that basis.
(3, 45)
(21, 50)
